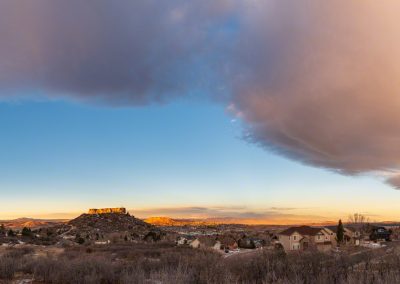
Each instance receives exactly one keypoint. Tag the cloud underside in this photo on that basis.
(314, 81)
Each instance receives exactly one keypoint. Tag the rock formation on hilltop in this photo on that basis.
(109, 223)
(102, 226)
(120, 210)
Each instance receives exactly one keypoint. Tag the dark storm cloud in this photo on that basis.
(120, 52)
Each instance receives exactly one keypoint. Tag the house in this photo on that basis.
(395, 232)
(180, 241)
(250, 243)
(227, 242)
(184, 240)
(153, 236)
(246, 243)
(205, 242)
(217, 245)
(380, 233)
(305, 237)
(354, 233)
(195, 243)
(351, 235)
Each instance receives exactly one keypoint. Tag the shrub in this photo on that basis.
(26, 232)
(80, 240)
(8, 267)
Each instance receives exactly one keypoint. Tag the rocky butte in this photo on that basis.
(120, 210)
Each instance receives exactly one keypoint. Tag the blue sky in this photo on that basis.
(65, 156)
(101, 105)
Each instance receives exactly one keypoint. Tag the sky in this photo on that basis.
(266, 111)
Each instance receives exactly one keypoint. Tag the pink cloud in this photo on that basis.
(321, 83)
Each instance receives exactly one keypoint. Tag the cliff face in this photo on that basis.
(107, 210)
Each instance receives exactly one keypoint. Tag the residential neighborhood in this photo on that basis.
(326, 238)
(291, 239)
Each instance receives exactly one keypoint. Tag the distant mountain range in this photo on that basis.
(167, 221)
(30, 223)
(164, 221)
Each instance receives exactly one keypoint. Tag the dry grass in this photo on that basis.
(163, 263)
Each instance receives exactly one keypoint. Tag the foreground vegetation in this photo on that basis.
(164, 263)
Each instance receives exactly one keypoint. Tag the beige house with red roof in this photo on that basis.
(305, 237)
(351, 235)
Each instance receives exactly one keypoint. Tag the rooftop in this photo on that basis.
(302, 230)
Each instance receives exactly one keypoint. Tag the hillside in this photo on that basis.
(166, 221)
(102, 226)
(109, 222)
(163, 221)
(30, 223)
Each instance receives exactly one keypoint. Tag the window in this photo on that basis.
(294, 238)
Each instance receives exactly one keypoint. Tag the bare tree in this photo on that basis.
(357, 219)
(359, 222)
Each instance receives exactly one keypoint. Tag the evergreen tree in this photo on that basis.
(2, 229)
(26, 232)
(340, 232)
(10, 233)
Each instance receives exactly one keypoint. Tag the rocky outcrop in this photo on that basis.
(120, 210)
(111, 226)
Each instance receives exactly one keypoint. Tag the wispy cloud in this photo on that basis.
(283, 208)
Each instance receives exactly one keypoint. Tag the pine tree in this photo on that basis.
(10, 233)
(2, 229)
(26, 232)
(340, 232)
